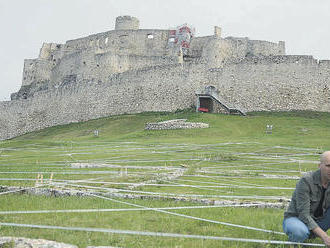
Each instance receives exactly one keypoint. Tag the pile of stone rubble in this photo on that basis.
(174, 124)
(12, 242)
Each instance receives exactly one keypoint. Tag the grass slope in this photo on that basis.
(233, 158)
(290, 128)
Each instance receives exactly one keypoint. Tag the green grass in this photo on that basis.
(235, 150)
(290, 128)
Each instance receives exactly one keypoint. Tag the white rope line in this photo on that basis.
(219, 179)
(196, 195)
(191, 217)
(198, 187)
(179, 185)
(222, 186)
(126, 209)
(246, 177)
(111, 160)
(266, 166)
(159, 234)
(118, 160)
(224, 169)
(152, 161)
(60, 172)
(217, 183)
(237, 172)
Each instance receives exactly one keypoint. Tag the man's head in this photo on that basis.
(325, 166)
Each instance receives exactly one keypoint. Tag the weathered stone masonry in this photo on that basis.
(94, 77)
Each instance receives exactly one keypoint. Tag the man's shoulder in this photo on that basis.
(308, 174)
(311, 176)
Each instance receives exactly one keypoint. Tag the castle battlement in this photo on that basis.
(130, 48)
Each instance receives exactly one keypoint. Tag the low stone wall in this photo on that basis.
(175, 124)
(262, 86)
(50, 192)
(280, 203)
(32, 243)
(14, 242)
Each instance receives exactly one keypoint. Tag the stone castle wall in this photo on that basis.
(99, 55)
(165, 88)
(132, 70)
(128, 48)
(85, 65)
(296, 83)
(36, 70)
(273, 83)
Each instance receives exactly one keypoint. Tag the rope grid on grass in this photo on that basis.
(163, 234)
(190, 217)
(125, 209)
(171, 184)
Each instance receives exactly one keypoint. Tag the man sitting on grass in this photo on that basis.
(308, 214)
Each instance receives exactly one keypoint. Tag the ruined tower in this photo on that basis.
(127, 23)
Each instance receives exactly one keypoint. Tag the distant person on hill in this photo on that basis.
(308, 214)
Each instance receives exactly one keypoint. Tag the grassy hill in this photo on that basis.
(233, 162)
(303, 128)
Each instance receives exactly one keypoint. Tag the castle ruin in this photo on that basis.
(132, 70)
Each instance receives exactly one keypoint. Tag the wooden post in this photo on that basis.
(51, 178)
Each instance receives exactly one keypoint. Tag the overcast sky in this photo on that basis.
(26, 24)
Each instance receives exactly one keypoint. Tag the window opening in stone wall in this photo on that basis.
(123, 39)
(150, 36)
